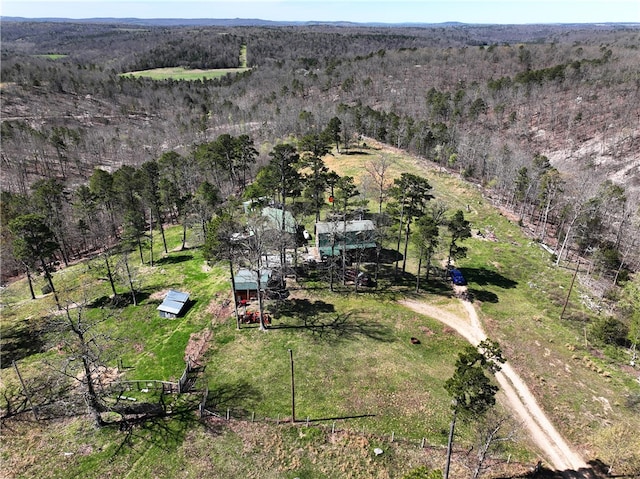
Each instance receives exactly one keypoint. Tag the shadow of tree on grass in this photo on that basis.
(154, 428)
(436, 286)
(121, 300)
(173, 259)
(339, 327)
(484, 276)
(596, 470)
(482, 296)
(20, 340)
(303, 308)
(232, 394)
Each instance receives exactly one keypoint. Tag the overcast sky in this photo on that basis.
(427, 11)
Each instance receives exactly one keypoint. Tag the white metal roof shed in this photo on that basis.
(173, 304)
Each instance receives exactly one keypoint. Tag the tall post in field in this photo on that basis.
(573, 280)
(293, 390)
(450, 445)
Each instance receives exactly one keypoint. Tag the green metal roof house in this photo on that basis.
(352, 235)
(246, 283)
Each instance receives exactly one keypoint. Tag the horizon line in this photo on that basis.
(2, 17)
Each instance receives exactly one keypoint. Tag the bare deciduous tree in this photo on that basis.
(84, 347)
(379, 171)
(491, 432)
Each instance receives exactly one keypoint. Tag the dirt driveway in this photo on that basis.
(551, 444)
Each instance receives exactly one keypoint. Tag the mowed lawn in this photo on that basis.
(353, 361)
(355, 367)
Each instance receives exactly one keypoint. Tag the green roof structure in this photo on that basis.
(247, 280)
(275, 219)
(332, 236)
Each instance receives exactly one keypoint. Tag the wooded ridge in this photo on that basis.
(545, 117)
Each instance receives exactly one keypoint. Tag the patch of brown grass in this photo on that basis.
(158, 295)
(197, 345)
(220, 308)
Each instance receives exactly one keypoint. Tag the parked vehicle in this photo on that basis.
(456, 277)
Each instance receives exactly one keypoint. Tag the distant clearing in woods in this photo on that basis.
(52, 56)
(180, 73)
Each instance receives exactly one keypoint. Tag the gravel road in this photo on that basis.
(557, 452)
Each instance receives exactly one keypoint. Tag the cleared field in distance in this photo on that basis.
(179, 73)
(52, 56)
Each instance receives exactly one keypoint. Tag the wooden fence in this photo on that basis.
(146, 385)
(333, 426)
(184, 384)
(184, 379)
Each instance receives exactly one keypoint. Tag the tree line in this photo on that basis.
(114, 215)
(119, 211)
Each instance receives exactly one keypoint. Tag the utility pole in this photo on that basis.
(573, 280)
(452, 427)
(293, 390)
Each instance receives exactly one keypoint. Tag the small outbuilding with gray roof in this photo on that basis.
(174, 304)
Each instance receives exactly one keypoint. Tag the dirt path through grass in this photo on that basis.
(555, 449)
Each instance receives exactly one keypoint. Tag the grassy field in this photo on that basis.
(179, 73)
(355, 367)
(53, 56)
(520, 294)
